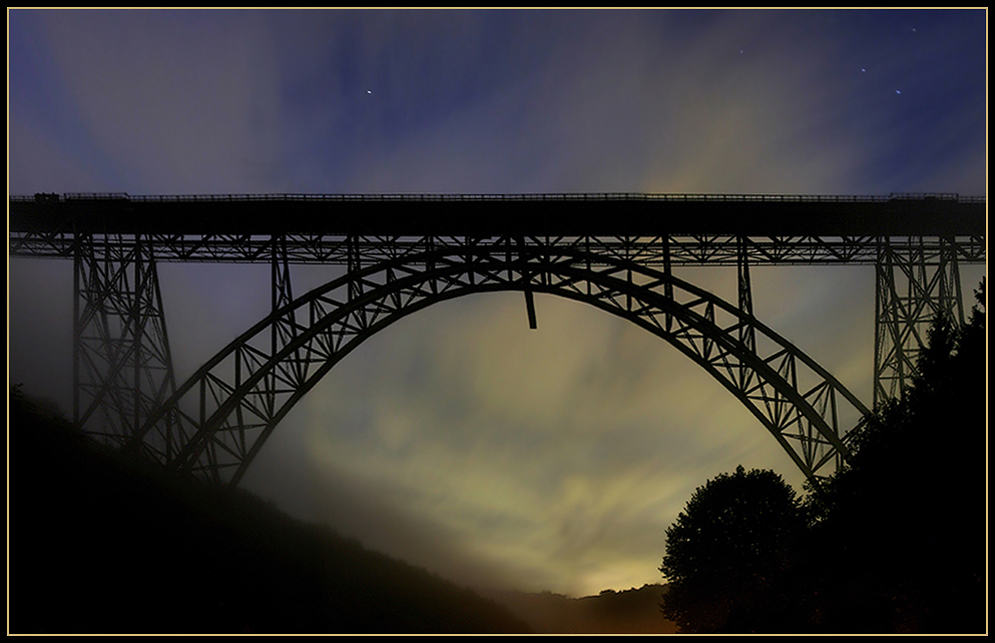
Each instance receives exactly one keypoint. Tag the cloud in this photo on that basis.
(542, 450)
(458, 438)
(506, 101)
(44, 164)
(172, 101)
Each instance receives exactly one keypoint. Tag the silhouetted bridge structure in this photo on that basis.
(403, 253)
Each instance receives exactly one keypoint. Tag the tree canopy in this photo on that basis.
(902, 528)
(728, 551)
(894, 541)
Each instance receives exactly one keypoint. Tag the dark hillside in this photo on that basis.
(99, 545)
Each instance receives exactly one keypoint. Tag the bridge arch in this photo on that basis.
(219, 419)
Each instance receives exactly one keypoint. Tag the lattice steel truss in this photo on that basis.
(216, 422)
(122, 368)
(230, 406)
(917, 283)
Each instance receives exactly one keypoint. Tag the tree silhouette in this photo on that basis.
(894, 541)
(729, 552)
(901, 529)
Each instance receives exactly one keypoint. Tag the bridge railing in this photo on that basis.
(555, 196)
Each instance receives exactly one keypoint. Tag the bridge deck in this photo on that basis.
(502, 215)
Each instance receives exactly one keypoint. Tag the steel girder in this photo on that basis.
(216, 422)
(122, 368)
(681, 249)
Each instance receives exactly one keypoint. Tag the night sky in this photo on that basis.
(458, 439)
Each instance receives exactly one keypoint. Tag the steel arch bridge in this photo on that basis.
(404, 253)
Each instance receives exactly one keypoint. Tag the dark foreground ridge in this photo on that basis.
(97, 545)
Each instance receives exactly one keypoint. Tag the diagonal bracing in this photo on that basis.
(233, 403)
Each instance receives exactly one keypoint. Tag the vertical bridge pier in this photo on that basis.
(616, 251)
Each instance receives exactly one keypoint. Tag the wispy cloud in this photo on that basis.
(458, 438)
